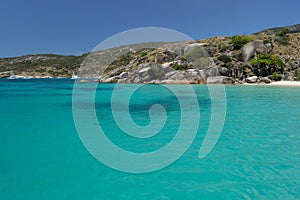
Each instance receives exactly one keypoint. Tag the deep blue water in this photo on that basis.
(42, 157)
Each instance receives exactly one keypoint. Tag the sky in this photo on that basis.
(73, 27)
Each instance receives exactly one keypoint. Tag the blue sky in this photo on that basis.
(75, 27)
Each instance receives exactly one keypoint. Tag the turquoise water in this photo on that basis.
(42, 157)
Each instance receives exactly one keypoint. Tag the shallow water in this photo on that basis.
(42, 157)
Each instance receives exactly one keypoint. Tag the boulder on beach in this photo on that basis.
(251, 79)
(265, 80)
(218, 80)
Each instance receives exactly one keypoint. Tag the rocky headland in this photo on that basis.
(264, 57)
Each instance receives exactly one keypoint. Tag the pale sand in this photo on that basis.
(286, 83)
(276, 83)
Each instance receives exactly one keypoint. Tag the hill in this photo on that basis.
(269, 55)
(41, 65)
(273, 31)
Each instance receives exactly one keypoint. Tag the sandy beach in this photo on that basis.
(276, 83)
(285, 83)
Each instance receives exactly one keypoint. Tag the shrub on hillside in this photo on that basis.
(276, 76)
(224, 58)
(240, 40)
(267, 59)
(267, 64)
(142, 54)
(297, 74)
(282, 32)
(179, 67)
(282, 36)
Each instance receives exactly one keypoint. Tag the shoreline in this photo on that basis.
(286, 83)
(276, 83)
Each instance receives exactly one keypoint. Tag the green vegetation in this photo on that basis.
(198, 57)
(125, 59)
(282, 36)
(297, 74)
(240, 40)
(41, 70)
(266, 41)
(212, 54)
(142, 54)
(182, 58)
(267, 59)
(282, 32)
(120, 61)
(224, 58)
(134, 67)
(179, 67)
(267, 64)
(223, 48)
(238, 55)
(63, 65)
(276, 76)
(283, 41)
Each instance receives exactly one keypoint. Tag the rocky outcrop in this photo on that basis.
(191, 47)
(5, 74)
(213, 71)
(212, 60)
(123, 75)
(256, 47)
(219, 80)
(288, 76)
(190, 62)
(158, 74)
(252, 79)
(224, 71)
(110, 80)
(264, 80)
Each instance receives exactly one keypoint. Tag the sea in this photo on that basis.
(43, 153)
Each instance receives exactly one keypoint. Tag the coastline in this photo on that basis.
(285, 83)
(276, 83)
(87, 80)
